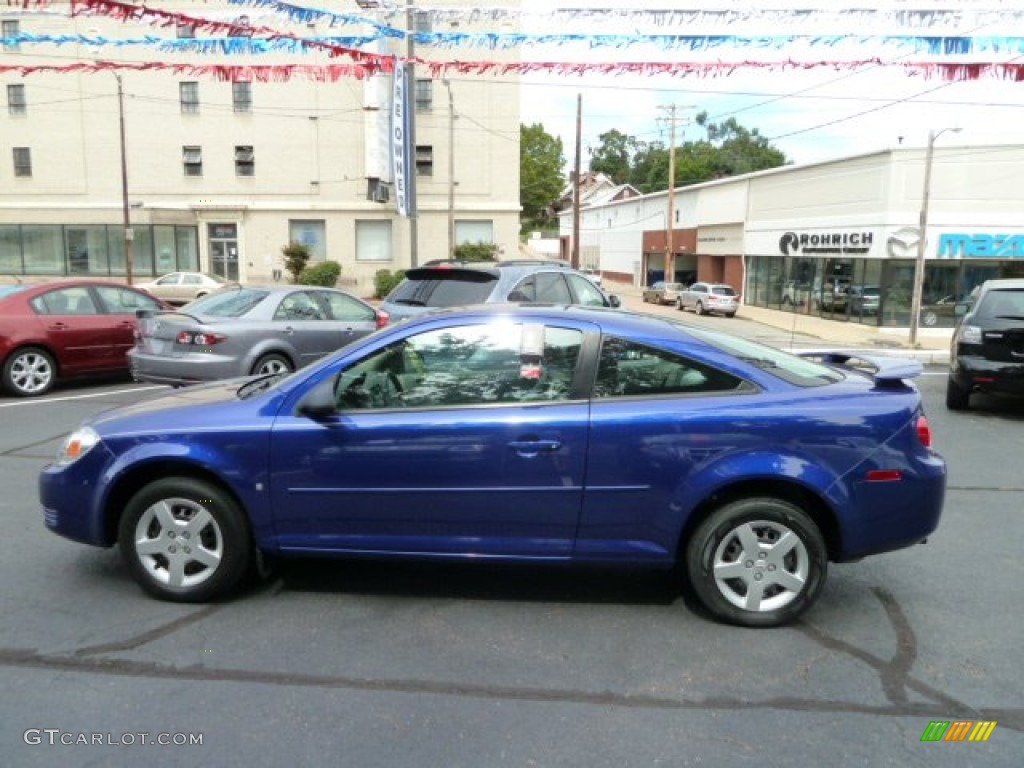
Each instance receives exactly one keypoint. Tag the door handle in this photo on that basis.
(531, 448)
(58, 326)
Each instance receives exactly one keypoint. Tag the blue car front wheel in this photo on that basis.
(185, 540)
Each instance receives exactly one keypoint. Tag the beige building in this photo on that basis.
(226, 160)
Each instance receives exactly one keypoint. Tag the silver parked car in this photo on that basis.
(704, 298)
(248, 330)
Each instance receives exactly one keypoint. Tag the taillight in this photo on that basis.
(383, 318)
(200, 338)
(924, 431)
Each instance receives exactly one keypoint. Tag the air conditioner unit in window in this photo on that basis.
(377, 191)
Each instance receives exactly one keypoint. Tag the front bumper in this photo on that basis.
(71, 498)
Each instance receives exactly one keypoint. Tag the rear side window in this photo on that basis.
(628, 369)
(443, 288)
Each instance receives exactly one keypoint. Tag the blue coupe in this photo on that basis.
(519, 433)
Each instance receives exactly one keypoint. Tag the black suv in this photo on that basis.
(444, 283)
(987, 353)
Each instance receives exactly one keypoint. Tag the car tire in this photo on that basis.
(730, 314)
(185, 540)
(29, 372)
(679, 305)
(737, 574)
(699, 309)
(272, 363)
(957, 398)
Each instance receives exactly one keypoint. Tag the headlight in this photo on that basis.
(77, 444)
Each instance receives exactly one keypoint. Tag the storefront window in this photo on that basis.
(10, 250)
(43, 248)
(187, 241)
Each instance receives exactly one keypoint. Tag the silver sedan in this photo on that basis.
(248, 330)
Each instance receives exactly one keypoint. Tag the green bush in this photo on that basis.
(296, 255)
(384, 281)
(324, 274)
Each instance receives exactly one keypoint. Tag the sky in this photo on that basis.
(810, 115)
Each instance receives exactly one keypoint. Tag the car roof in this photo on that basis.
(1007, 282)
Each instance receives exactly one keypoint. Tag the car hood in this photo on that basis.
(186, 408)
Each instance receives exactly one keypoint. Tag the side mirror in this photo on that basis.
(319, 403)
(614, 301)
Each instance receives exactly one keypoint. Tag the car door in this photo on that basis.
(76, 329)
(303, 321)
(352, 318)
(458, 440)
(118, 305)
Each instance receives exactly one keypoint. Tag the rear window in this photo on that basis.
(228, 303)
(443, 288)
(796, 370)
(722, 290)
(1002, 304)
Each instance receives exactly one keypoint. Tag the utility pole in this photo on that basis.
(574, 260)
(451, 169)
(129, 234)
(670, 251)
(410, 52)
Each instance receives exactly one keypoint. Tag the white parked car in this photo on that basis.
(183, 287)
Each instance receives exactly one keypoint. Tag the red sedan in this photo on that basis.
(66, 328)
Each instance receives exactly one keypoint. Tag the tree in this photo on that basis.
(541, 179)
(479, 251)
(615, 155)
(728, 149)
(296, 256)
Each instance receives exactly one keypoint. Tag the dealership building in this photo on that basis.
(838, 239)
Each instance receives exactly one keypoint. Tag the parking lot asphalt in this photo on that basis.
(799, 331)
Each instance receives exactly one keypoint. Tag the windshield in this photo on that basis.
(228, 303)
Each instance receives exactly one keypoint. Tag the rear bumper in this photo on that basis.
(178, 371)
(979, 374)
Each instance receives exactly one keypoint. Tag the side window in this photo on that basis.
(586, 292)
(345, 308)
(627, 369)
(66, 301)
(172, 279)
(123, 301)
(498, 363)
(191, 280)
(298, 306)
(552, 288)
(525, 290)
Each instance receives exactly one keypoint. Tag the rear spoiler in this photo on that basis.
(883, 369)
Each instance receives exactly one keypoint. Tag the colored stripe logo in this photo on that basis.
(958, 730)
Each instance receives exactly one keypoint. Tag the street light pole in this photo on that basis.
(129, 235)
(922, 242)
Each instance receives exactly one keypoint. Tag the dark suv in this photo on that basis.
(987, 353)
(440, 284)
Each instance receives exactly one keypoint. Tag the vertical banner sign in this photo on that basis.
(401, 152)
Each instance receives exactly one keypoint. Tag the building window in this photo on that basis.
(16, 99)
(373, 240)
(424, 160)
(312, 233)
(10, 29)
(241, 96)
(474, 231)
(424, 94)
(245, 161)
(186, 31)
(192, 159)
(22, 161)
(421, 22)
(189, 97)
